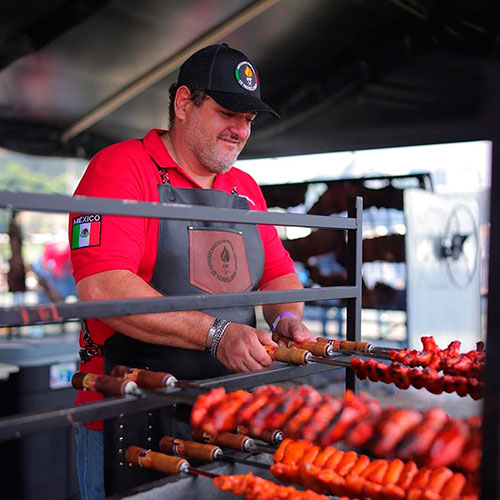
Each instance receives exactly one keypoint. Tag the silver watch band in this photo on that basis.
(215, 333)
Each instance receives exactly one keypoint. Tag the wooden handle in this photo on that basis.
(273, 436)
(105, 384)
(201, 451)
(144, 378)
(286, 355)
(224, 439)
(316, 348)
(346, 345)
(155, 460)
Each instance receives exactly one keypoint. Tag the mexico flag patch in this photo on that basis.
(86, 231)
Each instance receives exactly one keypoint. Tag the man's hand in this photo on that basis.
(293, 329)
(241, 348)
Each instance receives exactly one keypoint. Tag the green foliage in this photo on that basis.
(27, 173)
(14, 176)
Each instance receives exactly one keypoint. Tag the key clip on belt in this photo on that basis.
(90, 349)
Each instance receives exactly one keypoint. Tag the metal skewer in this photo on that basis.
(359, 348)
(301, 357)
(175, 464)
(237, 442)
(203, 451)
(163, 463)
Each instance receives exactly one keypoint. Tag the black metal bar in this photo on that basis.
(29, 423)
(61, 311)
(424, 181)
(354, 262)
(41, 202)
(237, 460)
(490, 464)
(278, 372)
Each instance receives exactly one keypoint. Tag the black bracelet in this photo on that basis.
(215, 333)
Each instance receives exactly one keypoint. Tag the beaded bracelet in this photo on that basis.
(278, 318)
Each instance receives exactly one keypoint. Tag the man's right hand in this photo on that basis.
(241, 348)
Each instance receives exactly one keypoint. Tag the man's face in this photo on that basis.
(216, 135)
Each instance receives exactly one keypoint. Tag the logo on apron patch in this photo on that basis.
(218, 261)
(223, 262)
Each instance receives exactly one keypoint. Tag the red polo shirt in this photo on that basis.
(126, 171)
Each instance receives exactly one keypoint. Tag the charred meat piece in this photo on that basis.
(392, 428)
(418, 441)
(448, 444)
(204, 403)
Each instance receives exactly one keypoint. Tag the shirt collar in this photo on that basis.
(155, 147)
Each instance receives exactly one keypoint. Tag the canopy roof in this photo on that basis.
(344, 74)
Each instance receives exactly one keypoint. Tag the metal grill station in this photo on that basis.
(344, 76)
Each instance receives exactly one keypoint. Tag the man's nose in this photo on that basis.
(240, 126)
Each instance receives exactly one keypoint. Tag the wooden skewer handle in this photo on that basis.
(346, 345)
(316, 348)
(272, 436)
(154, 460)
(201, 451)
(286, 355)
(144, 378)
(223, 439)
(105, 384)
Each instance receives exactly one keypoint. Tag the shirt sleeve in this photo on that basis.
(117, 242)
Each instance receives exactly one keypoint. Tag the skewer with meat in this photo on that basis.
(450, 361)
(295, 399)
(392, 428)
(428, 378)
(448, 445)
(354, 407)
(302, 415)
(417, 443)
(325, 412)
(256, 488)
(430, 438)
(223, 416)
(470, 459)
(363, 430)
(260, 398)
(204, 403)
(347, 473)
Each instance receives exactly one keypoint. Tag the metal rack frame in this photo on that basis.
(19, 425)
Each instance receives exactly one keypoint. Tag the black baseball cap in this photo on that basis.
(227, 76)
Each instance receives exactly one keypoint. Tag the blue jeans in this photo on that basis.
(90, 462)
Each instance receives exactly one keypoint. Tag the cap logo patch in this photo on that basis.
(246, 75)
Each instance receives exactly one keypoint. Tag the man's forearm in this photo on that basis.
(286, 282)
(187, 329)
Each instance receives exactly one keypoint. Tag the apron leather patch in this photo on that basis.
(218, 261)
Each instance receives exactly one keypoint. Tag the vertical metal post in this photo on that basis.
(490, 466)
(354, 261)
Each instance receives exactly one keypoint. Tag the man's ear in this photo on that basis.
(182, 102)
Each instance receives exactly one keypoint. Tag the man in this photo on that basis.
(212, 109)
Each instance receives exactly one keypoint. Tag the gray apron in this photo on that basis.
(193, 257)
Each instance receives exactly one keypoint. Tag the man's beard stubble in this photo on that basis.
(205, 150)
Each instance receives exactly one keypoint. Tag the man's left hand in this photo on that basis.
(293, 329)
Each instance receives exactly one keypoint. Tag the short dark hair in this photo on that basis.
(197, 96)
